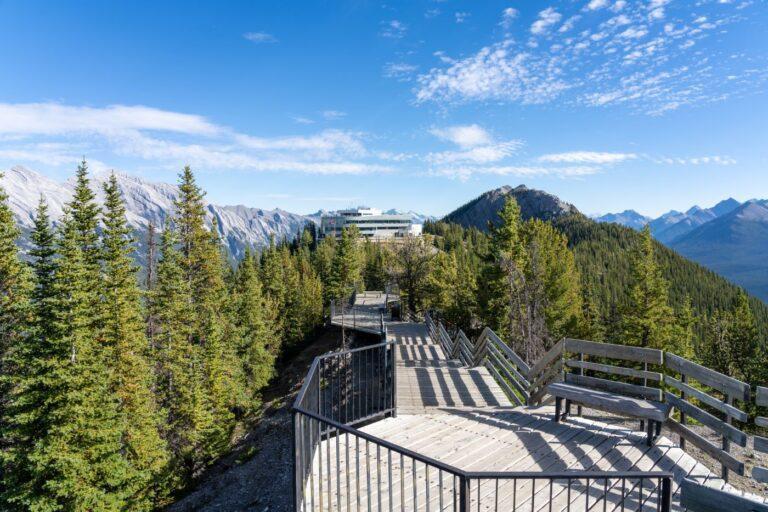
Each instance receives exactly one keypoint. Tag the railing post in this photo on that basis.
(666, 494)
(298, 484)
(393, 347)
(464, 491)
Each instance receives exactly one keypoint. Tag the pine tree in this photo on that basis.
(648, 317)
(76, 462)
(345, 272)
(19, 410)
(683, 337)
(180, 382)
(125, 339)
(204, 270)
(743, 343)
(504, 268)
(254, 316)
(592, 327)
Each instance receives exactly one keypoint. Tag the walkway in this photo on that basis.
(461, 417)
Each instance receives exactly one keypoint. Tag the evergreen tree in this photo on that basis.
(683, 337)
(76, 462)
(648, 317)
(204, 270)
(125, 339)
(504, 268)
(592, 327)
(181, 382)
(254, 317)
(345, 272)
(743, 342)
(19, 409)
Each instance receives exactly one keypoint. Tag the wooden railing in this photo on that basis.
(709, 398)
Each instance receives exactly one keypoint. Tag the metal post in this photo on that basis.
(464, 493)
(393, 347)
(298, 484)
(666, 494)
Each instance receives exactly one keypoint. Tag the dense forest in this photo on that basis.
(117, 390)
(118, 387)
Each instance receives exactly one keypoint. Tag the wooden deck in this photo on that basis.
(461, 417)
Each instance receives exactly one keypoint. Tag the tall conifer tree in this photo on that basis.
(125, 339)
(647, 318)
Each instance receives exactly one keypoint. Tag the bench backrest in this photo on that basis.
(619, 369)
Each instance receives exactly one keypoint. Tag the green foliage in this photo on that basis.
(345, 273)
(125, 342)
(647, 317)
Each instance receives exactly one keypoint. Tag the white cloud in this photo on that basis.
(260, 37)
(461, 17)
(431, 13)
(333, 115)
(628, 58)
(57, 134)
(508, 15)
(497, 72)
(586, 157)
(547, 18)
(303, 120)
(463, 172)
(595, 5)
(698, 160)
(400, 70)
(477, 155)
(465, 136)
(55, 118)
(393, 29)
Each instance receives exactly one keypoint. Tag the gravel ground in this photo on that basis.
(256, 475)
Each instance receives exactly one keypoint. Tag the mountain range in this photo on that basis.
(729, 238)
(152, 202)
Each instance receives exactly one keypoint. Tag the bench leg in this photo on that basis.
(578, 410)
(558, 408)
(658, 428)
(567, 409)
(650, 438)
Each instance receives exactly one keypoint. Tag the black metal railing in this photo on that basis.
(338, 467)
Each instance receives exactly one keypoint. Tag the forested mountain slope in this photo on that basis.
(601, 251)
(602, 254)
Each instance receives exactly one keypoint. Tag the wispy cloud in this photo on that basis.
(508, 16)
(303, 120)
(393, 29)
(333, 115)
(400, 70)
(56, 134)
(524, 171)
(465, 136)
(607, 53)
(587, 157)
(260, 37)
(547, 18)
(461, 17)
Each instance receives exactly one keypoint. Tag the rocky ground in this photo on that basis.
(256, 475)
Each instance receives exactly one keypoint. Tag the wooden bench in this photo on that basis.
(626, 399)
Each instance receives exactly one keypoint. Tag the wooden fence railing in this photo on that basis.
(709, 398)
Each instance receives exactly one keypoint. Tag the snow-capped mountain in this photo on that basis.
(148, 202)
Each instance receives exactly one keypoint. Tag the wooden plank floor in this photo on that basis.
(460, 416)
(517, 439)
(427, 379)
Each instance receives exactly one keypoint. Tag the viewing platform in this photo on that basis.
(409, 425)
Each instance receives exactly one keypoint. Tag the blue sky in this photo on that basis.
(421, 105)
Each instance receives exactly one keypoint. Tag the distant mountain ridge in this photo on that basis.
(149, 202)
(673, 224)
(533, 203)
(733, 245)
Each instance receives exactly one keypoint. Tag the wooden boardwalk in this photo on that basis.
(460, 416)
